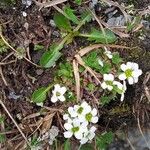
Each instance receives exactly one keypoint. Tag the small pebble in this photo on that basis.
(52, 23)
(24, 14)
(27, 2)
(39, 71)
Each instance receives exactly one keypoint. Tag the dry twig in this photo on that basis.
(6, 110)
(49, 4)
(77, 78)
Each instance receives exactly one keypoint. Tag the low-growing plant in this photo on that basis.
(63, 23)
(107, 67)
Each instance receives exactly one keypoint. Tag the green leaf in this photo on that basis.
(86, 16)
(67, 145)
(91, 60)
(105, 100)
(87, 147)
(91, 87)
(39, 95)
(1, 119)
(2, 138)
(38, 47)
(99, 37)
(102, 141)
(65, 70)
(62, 22)
(3, 47)
(105, 69)
(70, 14)
(78, 2)
(116, 58)
(49, 58)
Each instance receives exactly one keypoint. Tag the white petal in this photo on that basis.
(137, 73)
(68, 134)
(94, 119)
(135, 80)
(65, 116)
(130, 80)
(76, 107)
(105, 76)
(122, 97)
(92, 129)
(68, 126)
(81, 118)
(54, 99)
(76, 122)
(87, 109)
(61, 98)
(122, 76)
(84, 125)
(63, 90)
(91, 136)
(100, 62)
(57, 87)
(118, 84)
(123, 67)
(110, 77)
(78, 135)
(104, 85)
(124, 85)
(129, 65)
(84, 140)
(94, 112)
(135, 66)
(72, 112)
(84, 104)
(109, 87)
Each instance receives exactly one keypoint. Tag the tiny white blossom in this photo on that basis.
(75, 128)
(100, 62)
(108, 54)
(108, 81)
(122, 88)
(58, 93)
(88, 136)
(85, 113)
(131, 72)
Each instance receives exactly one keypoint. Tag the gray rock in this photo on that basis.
(116, 21)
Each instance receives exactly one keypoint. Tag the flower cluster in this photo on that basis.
(131, 72)
(79, 121)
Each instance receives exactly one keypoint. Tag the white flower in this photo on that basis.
(85, 113)
(58, 93)
(108, 54)
(75, 128)
(131, 72)
(108, 81)
(122, 88)
(100, 62)
(88, 136)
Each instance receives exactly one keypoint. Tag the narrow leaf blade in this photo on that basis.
(71, 16)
